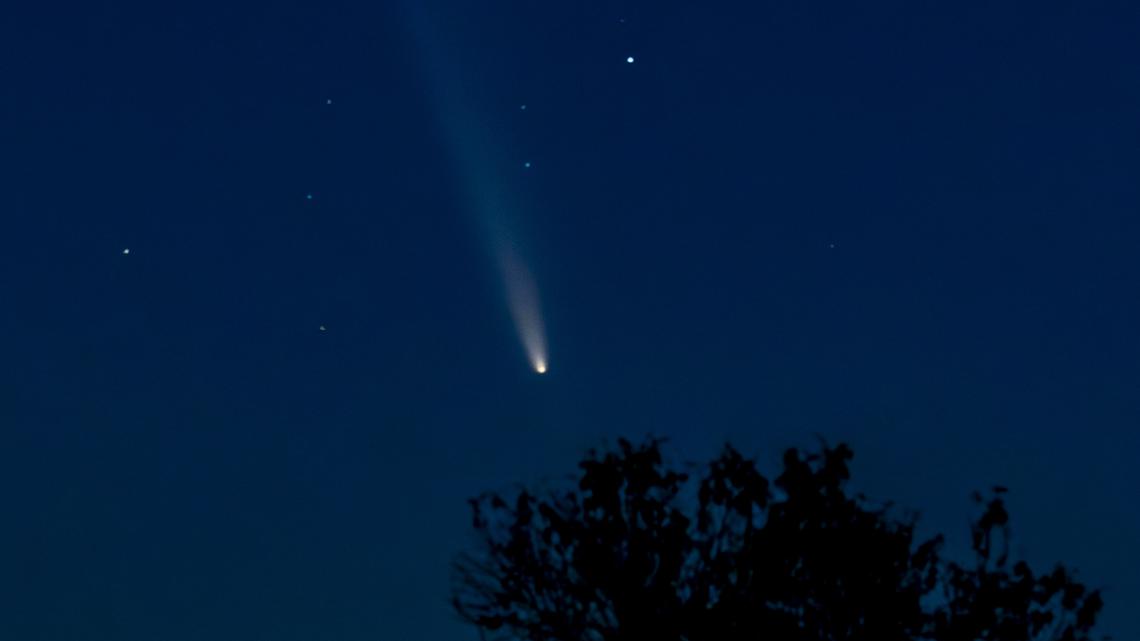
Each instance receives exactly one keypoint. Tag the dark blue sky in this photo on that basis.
(909, 225)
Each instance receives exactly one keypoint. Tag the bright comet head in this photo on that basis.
(522, 299)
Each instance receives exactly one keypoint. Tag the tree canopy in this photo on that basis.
(641, 551)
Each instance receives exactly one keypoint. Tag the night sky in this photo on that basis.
(258, 343)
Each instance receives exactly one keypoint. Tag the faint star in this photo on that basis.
(329, 101)
(522, 107)
(322, 328)
(831, 245)
(126, 251)
(308, 196)
(527, 164)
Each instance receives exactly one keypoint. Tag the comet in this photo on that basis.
(483, 172)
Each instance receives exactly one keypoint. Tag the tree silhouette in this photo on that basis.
(638, 552)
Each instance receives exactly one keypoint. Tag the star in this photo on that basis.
(321, 328)
(526, 164)
(629, 60)
(126, 251)
(308, 196)
(329, 101)
(522, 107)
